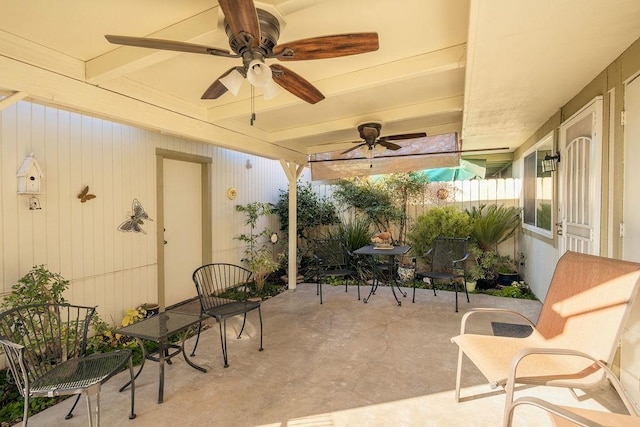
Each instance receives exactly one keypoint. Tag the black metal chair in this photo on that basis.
(447, 260)
(332, 259)
(45, 349)
(222, 291)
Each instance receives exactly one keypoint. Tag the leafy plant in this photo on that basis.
(38, 286)
(493, 224)
(447, 221)
(374, 201)
(312, 211)
(475, 272)
(259, 257)
(516, 290)
(403, 187)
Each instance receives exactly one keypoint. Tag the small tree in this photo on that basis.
(259, 257)
(402, 188)
(369, 199)
(312, 211)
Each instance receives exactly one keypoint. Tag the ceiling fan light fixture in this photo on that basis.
(366, 151)
(233, 82)
(259, 73)
(270, 90)
(380, 148)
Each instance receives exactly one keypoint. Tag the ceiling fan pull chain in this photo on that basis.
(253, 106)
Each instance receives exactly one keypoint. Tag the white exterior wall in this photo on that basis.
(106, 267)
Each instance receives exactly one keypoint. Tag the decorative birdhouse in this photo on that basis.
(30, 176)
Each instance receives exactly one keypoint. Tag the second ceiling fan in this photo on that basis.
(370, 133)
(253, 36)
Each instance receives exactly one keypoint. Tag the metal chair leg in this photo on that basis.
(260, 316)
(458, 375)
(223, 341)
(244, 322)
(133, 388)
(70, 413)
(193, 352)
(25, 410)
(455, 286)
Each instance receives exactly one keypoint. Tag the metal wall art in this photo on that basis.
(134, 222)
(85, 195)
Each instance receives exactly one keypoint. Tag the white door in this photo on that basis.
(580, 181)
(182, 184)
(631, 219)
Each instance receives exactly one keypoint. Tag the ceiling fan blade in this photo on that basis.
(217, 89)
(242, 17)
(354, 148)
(389, 145)
(295, 84)
(328, 46)
(403, 136)
(165, 45)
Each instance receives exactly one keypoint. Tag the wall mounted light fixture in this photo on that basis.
(550, 163)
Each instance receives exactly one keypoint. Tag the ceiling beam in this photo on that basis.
(425, 109)
(29, 52)
(126, 59)
(12, 99)
(55, 89)
(421, 65)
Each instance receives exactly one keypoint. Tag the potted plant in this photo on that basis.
(407, 269)
(474, 274)
(507, 270)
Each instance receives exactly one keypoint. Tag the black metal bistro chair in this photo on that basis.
(222, 291)
(45, 349)
(447, 261)
(332, 259)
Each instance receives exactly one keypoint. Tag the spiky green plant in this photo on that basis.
(355, 233)
(493, 224)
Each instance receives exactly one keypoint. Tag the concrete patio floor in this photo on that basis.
(343, 363)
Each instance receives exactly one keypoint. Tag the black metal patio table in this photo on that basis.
(391, 253)
(158, 329)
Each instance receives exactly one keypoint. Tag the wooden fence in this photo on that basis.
(463, 194)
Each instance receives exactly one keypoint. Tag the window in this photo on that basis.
(537, 189)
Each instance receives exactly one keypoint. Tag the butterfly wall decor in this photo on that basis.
(135, 220)
(85, 195)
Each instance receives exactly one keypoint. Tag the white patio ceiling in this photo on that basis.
(493, 71)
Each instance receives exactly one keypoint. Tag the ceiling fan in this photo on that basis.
(253, 36)
(370, 133)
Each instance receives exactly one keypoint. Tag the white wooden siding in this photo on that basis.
(108, 268)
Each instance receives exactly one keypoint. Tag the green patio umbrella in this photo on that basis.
(467, 170)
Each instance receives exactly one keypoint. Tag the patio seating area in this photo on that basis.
(342, 363)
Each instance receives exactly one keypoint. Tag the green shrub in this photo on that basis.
(38, 286)
(447, 221)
